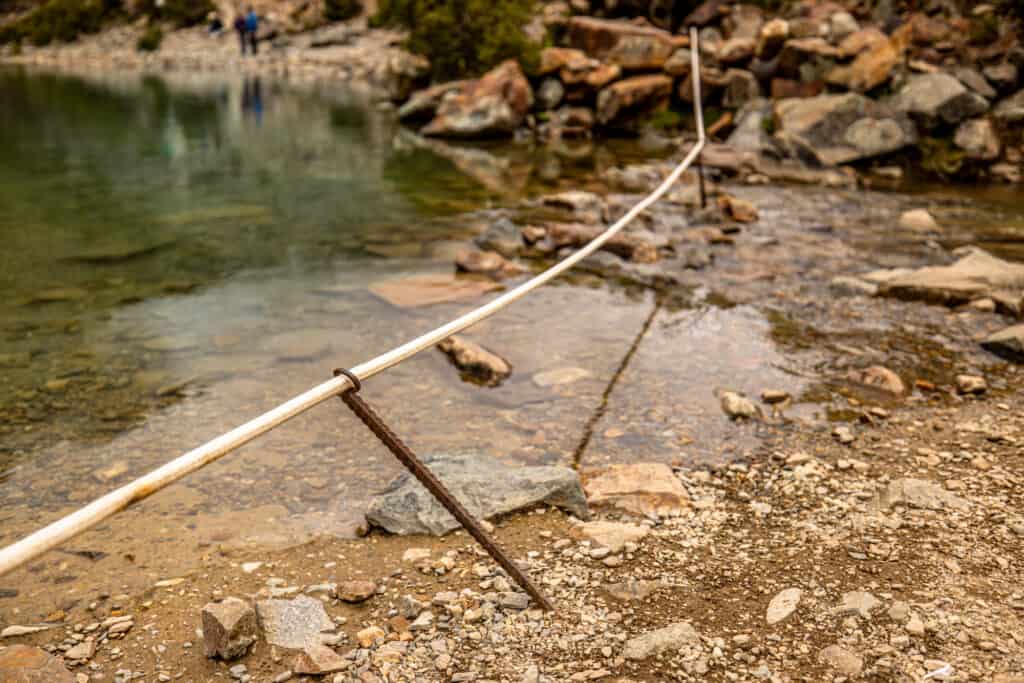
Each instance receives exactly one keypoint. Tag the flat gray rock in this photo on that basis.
(673, 637)
(918, 493)
(485, 486)
(294, 624)
(976, 275)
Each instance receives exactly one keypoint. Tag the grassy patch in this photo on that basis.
(463, 37)
(59, 21)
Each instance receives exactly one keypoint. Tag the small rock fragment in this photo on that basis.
(356, 591)
(782, 605)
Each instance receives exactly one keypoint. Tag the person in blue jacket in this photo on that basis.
(252, 24)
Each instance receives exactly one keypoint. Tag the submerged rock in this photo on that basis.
(426, 290)
(974, 276)
(476, 363)
(881, 378)
(486, 487)
(737, 406)
(918, 220)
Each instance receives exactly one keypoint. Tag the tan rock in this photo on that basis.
(356, 591)
(427, 290)
(317, 660)
(918, 220)
(632, 96)
(495, 104)
(650, 489)
(842, 660)
(631, 46)
(613, 535)
(881, 378)
(476, 363)
(24, 664)
(737, 209)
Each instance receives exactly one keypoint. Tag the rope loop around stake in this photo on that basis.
(356, 384)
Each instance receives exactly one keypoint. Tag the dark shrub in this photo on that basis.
(463, 37)
(150, 40)
(342, 10)
(60, 20)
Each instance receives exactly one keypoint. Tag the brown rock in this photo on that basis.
(736, 50)
(737, 209)
(978, 139)
(881, 378)
(424, 103)
(427, 290)
(317, 660)
(24, 664)
(554, 59)
(782, 88)
(494, 105)
(650, 489)
(357, 591)
(624, 245)
(740, 87)
(872, 67)
(773, 36)
(632, 96)
(631, 46)
(476, 363)
(229, 628)
(798, 51)
(485, 262)
(602, 75)
(857, 42)
(706, 13)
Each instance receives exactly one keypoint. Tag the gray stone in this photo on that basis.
(741, 87)
(918, 493)
(673, 637)
(550, 93)
(975, 81)
(1010, 110)
(229, 628)
(1003, 76)
(978, 139)
(782, 605)
(750, 134)
(485, 486)
(938, 98)
(837, 129)
(513, 600)
(633, 589)
(842, 660)
(293, 624)
(976, 275)
(858, 603)
(851, 286)
(738, 407)
(502, 236)
(841, 24)
(1008, 343)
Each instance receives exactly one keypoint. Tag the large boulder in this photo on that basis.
(485, 486)
(492, 106)
(936, 99)
(976, 275)
(625, 99)
(424, 103)
(631, 46)
(837, 129)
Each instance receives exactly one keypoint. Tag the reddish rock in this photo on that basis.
(872, 68)
(707, 13)
(785, 87)
(631, 46)
(632, 96)
(24, 664)
(494, 105)
(603, 75)
(857, 42)
(554, 59)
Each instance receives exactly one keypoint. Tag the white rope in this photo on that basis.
(77, 522)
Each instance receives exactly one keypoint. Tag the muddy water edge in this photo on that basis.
(184, 254)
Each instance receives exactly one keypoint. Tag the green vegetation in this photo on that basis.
(463, 37)
(59, 20)
(150, 40)
(178, 13)
(342, 10)
(666, 120)
(940, 156)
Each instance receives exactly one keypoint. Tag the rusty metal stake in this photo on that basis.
(437, 489)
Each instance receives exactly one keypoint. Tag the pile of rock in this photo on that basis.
(842, 88)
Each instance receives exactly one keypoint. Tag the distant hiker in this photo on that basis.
(240, 30)
(252, 24)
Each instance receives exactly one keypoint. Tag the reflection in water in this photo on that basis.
(252, 98)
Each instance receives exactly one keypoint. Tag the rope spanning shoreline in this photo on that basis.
(47, 538)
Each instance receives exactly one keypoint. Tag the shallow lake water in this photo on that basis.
(183, 254)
